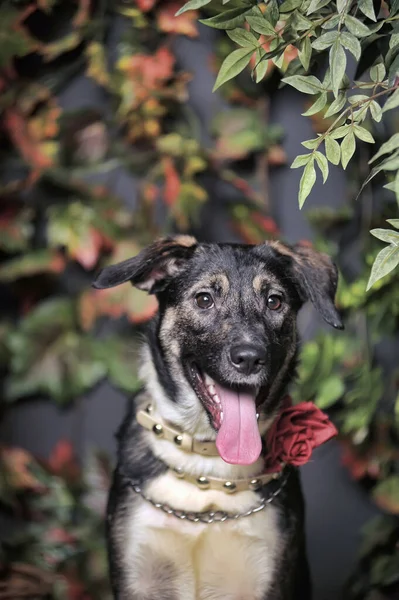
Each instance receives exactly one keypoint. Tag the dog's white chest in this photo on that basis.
(233, 560)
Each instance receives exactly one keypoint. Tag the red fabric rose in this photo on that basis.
(295, 432)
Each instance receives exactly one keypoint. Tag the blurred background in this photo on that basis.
(111, 136)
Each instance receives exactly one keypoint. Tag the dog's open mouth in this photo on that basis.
(233, 414)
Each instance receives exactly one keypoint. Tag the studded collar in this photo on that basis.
(187, 443)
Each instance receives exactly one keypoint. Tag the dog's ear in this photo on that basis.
(153, 267)
(316, 279)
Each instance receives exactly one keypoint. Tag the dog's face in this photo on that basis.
(225, 340)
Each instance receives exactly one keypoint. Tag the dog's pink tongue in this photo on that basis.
(238, 439)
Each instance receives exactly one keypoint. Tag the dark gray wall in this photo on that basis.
(336, 507)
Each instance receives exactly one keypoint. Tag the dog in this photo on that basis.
(191, 513)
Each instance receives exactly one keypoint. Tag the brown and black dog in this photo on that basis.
(191, 515)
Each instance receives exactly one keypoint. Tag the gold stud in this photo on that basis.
(229, 486)
(254, 484)
(202, 482)
(149, 409)
(178, 471)
(158, 429)
(178, 440)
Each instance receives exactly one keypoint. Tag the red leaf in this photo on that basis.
(115, 303)
(276, 156)
(145, 5)
(150, 71)
(266, 223)
(63, 462)
(15, 463)
(182, 25)
(83, 13)
(17, 128)
(87, 252)
(172, 181)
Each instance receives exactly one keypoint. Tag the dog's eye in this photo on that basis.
(204, 300)
(274, 302)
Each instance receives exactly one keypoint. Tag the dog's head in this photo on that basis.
(224, 342)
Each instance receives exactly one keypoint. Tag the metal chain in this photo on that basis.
(208, 516)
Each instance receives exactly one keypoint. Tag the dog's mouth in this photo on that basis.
(233, 415)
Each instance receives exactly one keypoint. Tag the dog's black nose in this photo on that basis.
(247, 358)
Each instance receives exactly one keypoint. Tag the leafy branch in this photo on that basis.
(322, 32)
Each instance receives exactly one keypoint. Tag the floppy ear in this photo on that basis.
(152, 268)
(316, 279)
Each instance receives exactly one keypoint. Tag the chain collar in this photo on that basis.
(208, 516)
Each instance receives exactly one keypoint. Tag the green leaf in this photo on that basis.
(386, 495)
(32, 263)
(340, 132)
(391, 163)
(394, 40)
(305, 53)
(299, 22)
(307, 182)
(192, 5)
(394, 223)
(351, 43)
(120, 355)
(376, 111)
(301, 160)
(392, 102)
(315, 5)
(242, 37)
(323, 164)
(356, 27)
(261, 65)
(348, 147)
(343, 6)
(311, 144)
(386, 235)
(389, 146)
(336, 106)
(332, 22)
(357, 98)
(363, 134)
(333, 150)
(393, 71)
(325, 41)
(261, 25)
(229, 19)
(49, 354)
(369, 177)
(273, 12)
(290, 5)
(367, 8)
(330, 390)
(377, 73)
(317, 106)
(233, 64)
(13, 42)
(386, 260)
(337, 65)
(307, 85)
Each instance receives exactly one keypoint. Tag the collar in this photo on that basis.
(182, 440)
(187, 443)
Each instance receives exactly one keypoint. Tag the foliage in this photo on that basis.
(62, 217)
(63, 508)
(324, 35)
(377, 576)
(58, 225)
